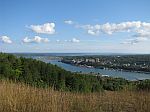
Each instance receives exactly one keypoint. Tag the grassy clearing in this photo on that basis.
(17, 97)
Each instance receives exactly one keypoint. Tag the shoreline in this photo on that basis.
(86, 66)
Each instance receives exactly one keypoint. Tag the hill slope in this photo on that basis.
(40, 74)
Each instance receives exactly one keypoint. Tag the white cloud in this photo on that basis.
(135, 40)
(36, 39)
(146, 25)
(140, 36)
(91, 32)
(74, 40)
(68, 22)
(141, 30)
(57, 40)
(142, 33)
(6, 39)
(47, 28)
(110, 28)
(66, 40)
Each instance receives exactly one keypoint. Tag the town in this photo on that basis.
(124, 62)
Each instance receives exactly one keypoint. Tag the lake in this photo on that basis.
(112, 73)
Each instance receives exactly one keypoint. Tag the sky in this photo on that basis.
(75, 26)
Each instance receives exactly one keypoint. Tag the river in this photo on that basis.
(112, 73)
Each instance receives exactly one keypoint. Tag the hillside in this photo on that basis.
(28, 85)
(40, 74)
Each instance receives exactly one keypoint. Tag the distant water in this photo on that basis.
(68, 67)
(112, 73)
(67, 54)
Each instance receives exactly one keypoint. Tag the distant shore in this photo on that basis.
(86, 66)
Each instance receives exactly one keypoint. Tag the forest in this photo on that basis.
(37, 73)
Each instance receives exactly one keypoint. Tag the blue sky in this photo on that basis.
(111, 26)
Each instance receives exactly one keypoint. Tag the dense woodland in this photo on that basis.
(40, 74)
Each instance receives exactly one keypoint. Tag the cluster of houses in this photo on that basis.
(96, 60)
(104, 62)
